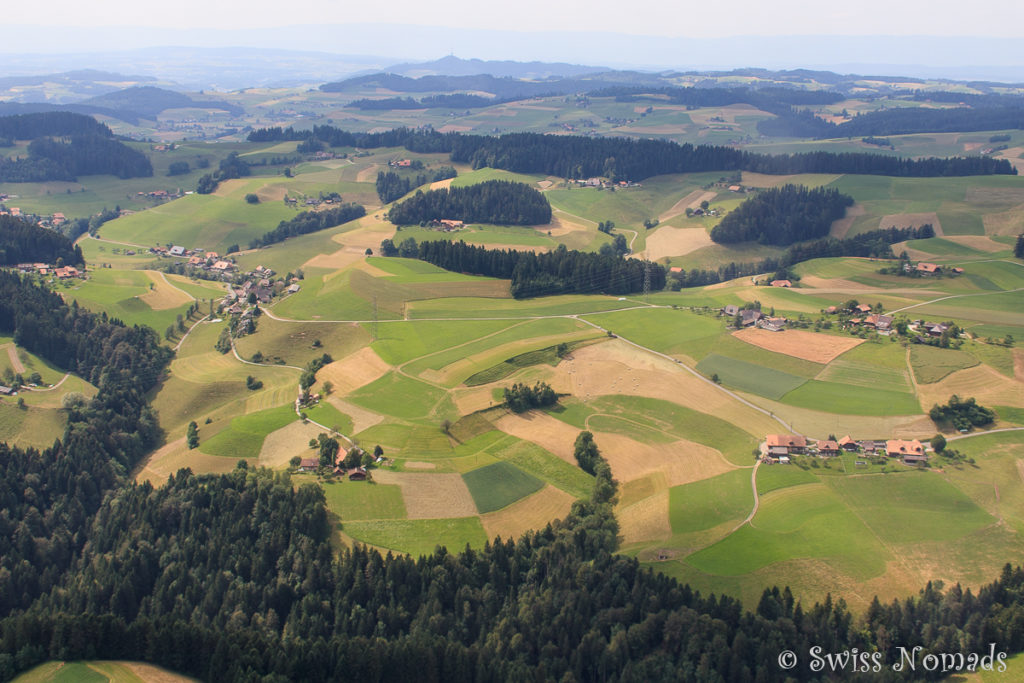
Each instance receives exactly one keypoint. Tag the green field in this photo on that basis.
(664, 330)
(755, 379)
(499, 485)
(708, 503)
(772, 477)
(401, 396)
(848, 399)
(419, 536)
(529, 457)
(932, 363)
(326, 414)
(244, 438)
(362, 500)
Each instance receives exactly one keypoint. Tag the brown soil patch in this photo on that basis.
(842, 226)
(282, 445)
(454, 128)
(982, 382)
(431, 496)
(361, 417)
(911, 220)
(154, 674)
(1018, 364)
(272, 193)
(417, 465)
(164, 296)
(812, 346)
(228, 187)
(544, 184)
(668, 241)
(971, 146)
(681, 462)
(835, 284)
(350, 373)
(646, 520)
(545, 431)
(615, 367)
(532, 512)
(690, 201)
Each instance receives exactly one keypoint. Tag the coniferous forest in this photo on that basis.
(65, 146)
(562, 271)
(309, 221)
(783, 215)
(575, 156)
(501, 202)
(23, 241)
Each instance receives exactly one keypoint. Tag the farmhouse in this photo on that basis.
(897, 448)
(828, 447)
(830, 310)
(862, 308)
(784, 444)
(450, 223)
(848, 444)
(176, 251)
(357, 474)
(928, 269)
(7, 391)
(748, 317)
(781, 283)
(730, 310)
(772, 324)
(308, 464)
(879, 322)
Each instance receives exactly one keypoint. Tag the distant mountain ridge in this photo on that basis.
(456, 66)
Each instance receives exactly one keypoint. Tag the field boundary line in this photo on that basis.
(757, 498)
(955, 296)
(990, 431)
(185, 336)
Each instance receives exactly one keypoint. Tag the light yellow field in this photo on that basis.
(812, 346)
(983, 383)
(819, 424)
(431, 496)
(361, 417)
(532, 512)
(842, 226)
(911, 220)
(645, 520)
(282, 445)
(553, 435)
(172, 457)
(350, 373)
(680, 462)
(669, 241)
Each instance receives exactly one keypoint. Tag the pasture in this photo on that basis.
(499, 485)
(244, 437)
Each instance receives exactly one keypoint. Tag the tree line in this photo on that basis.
(233, 166)
(392, 186)
(309, 221)
(561, 271)
(51, 123)
(450, 101)
(871, 244)
(501, 202)
(23, 241)
(575, 156)
(783, 215)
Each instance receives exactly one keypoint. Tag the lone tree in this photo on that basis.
(193, 435)
(329, 448)
(938, 443)
(1018, 248)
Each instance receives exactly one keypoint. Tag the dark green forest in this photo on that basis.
(22, 241)
(575, 156)
(309, 221)
(783, 215)
(501, 202)
(64, 146)
(233, 577)
(562, 271)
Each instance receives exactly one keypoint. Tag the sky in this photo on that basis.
(666, 18)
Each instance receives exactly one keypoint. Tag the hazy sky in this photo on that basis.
(1003, 18)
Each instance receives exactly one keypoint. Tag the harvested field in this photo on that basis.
(454, 128)
(812, 346)
(818, 424)
(361, 417)
(561, 224)
(1009, 222)
(646, 520)
(690, 201)
(471, 400)
(417, 465)
(352, 372)
(842, 226)
(979, 242)
(982, 382)
(431, 496)
(669, 241)
(343, 258)
(532, 512)
(442, 184)
(282, 445)
(1018, 364)
(911, 220)
(615, 367)
(545, 431)
(368, 174)
(835, 284)
(164, 295)
(170, 458)
(681, 462)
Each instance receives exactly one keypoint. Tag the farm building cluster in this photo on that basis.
(49, 269)
(751, 317)
(779, 447)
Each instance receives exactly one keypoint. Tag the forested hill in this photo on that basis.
(574, 156)
(782, 216)
(65, 146)
(500, 202)
(22, 241)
